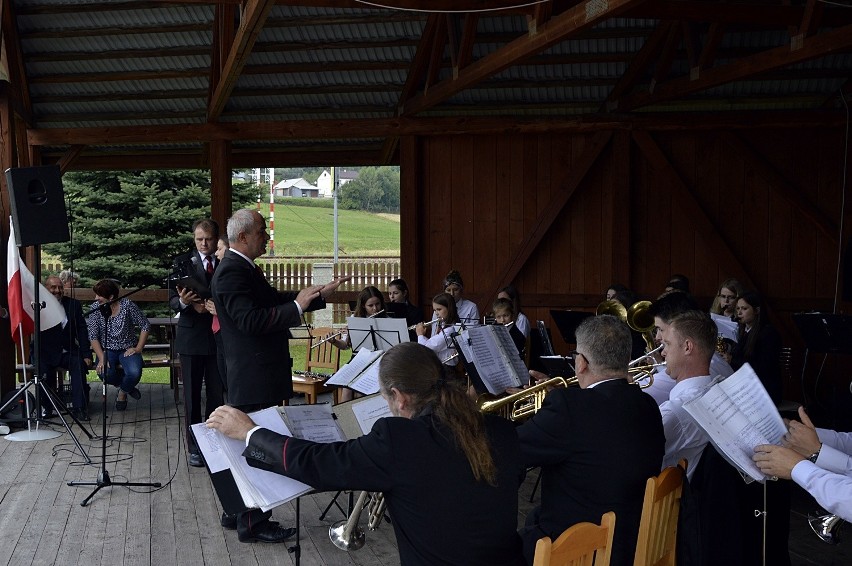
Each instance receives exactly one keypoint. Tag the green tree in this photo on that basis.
(375, 190)
(128, 225)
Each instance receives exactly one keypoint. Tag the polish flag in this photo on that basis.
(21, 298)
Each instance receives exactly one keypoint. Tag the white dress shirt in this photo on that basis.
(684, 437)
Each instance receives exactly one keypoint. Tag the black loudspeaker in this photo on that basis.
(38, 205)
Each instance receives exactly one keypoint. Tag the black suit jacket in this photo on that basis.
(596, 447)
(73, 338)
(254, 320)
(194, 329)
(440, 514)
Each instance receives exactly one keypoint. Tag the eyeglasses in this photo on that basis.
(575, 353)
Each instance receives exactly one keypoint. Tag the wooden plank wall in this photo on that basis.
(760, 205)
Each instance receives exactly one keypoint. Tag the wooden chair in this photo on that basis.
(583, 544)
(657, 540)
(323, 357)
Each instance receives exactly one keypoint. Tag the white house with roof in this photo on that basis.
(324, 181)
(295, 188)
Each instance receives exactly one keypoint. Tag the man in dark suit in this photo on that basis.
(597, 444)
(255, 320)
(194, 341)
(67, 346)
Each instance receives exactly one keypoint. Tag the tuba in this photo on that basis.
(346, 534)
(826, 527)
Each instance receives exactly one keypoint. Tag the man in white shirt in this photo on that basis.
(689, 341)
(818, 460)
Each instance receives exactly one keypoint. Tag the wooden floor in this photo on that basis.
(42, 521)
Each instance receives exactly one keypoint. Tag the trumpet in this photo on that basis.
(523, 404)
(331, 337)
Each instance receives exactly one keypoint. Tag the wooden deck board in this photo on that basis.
(42, 521)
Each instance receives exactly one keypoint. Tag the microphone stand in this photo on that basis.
(103, 480)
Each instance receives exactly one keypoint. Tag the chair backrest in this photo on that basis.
(657, 540)
(324, 356)
(583, 544)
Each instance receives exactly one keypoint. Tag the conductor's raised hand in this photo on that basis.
(307, 295)
(231, 422)
(332, 286)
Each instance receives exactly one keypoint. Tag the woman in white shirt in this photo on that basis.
(440, 342)
(468, 312)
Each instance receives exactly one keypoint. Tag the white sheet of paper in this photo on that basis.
(349, 372)
(313, 422)
(369, 411)
(208, 441)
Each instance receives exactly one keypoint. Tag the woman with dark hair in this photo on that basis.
(521, 321)
(449, 474)
(113, 335)
(440, 342)
(467, 311)
(370, 303)
(758, 343)
(398, 295)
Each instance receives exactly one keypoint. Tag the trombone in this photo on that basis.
(331, 337)
(643, 375)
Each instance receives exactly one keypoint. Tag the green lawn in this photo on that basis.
(309, 231)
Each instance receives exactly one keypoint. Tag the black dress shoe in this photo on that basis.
(228, 521)
(135, 393)
(195, 460)
(268, 531)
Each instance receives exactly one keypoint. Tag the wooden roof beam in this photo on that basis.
(436, 52)
(15, 60)
(711, 45)
(67, 160)
(558, 28)
(812, 48)
(254, 15)
(640, 64)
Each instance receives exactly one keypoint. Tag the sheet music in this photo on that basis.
(312, 422)
(258, 488)
(489, 356)
(738, 415)
(357, 365)
(369, 411)
(368, 382)
(727, 328)
(209, 444)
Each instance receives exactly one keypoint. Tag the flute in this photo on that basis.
(339, 332)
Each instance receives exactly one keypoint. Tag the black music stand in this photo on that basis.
(567, 323)
(383, 333)
(825, 333)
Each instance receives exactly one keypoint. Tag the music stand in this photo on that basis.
(825, 333)
(567, 323)
(376, 333)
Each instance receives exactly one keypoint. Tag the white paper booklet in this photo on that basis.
(492, 351)
(361, 373)
(738, 414)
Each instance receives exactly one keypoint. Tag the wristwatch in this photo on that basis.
(813, 457)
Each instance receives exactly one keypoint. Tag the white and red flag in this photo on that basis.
(21, 295)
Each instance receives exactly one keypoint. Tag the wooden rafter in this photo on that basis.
(558, 28)
(541, 13)
(69, 158)
(781, 185)
(254, 15)
(15, 60)
(640, 64)
(436, 53)
(468, 38)
(812, 47)
(664, 64)
(550, 213)
(224, 33)
(711, 45)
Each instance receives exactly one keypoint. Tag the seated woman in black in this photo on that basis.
(398, 299)
(449, 474)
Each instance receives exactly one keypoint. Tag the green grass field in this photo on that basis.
(309, 231)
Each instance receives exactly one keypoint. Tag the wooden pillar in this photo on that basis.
(7, 159)
(411, 254)
(221, 201)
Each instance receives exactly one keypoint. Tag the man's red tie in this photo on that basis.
(209, 267)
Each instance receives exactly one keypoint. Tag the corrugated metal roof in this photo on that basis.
(113, 64)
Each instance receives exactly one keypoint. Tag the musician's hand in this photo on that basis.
(210, 306)
(776, 460)
(331, 287)
(802, 436)
(537, 377)
(231, 422)
(420, 329)
(307, 295)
